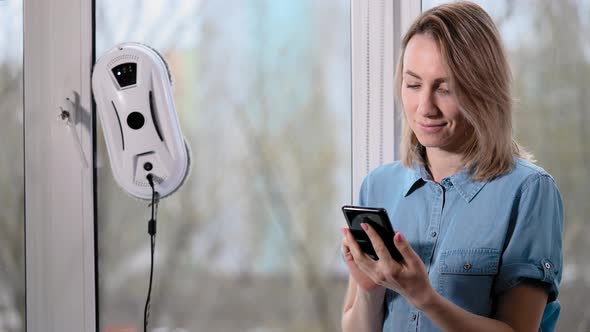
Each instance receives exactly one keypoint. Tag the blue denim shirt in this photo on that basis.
(477, 239)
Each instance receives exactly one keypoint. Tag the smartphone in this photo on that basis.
(379, 220)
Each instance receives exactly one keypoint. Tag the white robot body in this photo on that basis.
(133, 94)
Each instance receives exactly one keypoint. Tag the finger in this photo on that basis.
(357, 274)
(362, 279)
(360, 258)
(346, 250)
(410, 257)
(349, 240)
(377, 242)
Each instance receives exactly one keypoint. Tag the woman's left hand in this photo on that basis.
(407, 277)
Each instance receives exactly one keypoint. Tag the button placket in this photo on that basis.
(439, 212)
(433, 227)
(413, 320)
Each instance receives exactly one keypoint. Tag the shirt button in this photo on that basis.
(433, 234)
(467, 266)
(547, 266)
(414, 316)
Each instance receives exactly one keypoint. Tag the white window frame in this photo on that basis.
(60, 173)
(376, 30)
(59, 192)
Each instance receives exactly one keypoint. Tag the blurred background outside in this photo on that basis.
(12, 198)
(251, 242)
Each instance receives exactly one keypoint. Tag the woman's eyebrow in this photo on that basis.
(411, 73)
(439, 80)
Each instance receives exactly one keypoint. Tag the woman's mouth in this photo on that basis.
(431, 127)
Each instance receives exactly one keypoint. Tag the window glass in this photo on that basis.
(549, 51)
(12, 195)
(251, 241)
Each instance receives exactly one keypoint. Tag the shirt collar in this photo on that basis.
(466, 186)
(415, 177)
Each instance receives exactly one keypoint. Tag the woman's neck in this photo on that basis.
(442, 164)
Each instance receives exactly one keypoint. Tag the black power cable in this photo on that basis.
(152, 233)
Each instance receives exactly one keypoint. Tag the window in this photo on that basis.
(254, 82)
(549, 51)
(12, 200)
(251, 240)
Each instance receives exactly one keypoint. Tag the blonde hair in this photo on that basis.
(480, 77)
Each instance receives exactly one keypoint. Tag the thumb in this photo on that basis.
(347, 254)
(405, 249)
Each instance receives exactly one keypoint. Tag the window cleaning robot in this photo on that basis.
(149, 156)
(132, 89)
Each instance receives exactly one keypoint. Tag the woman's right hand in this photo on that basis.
(364, 282)
(363, 304)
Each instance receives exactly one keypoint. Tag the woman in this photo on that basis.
(478, 225)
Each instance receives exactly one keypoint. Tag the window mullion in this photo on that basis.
(59, 211)
(375, 39)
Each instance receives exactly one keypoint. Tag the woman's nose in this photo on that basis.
(426, 106)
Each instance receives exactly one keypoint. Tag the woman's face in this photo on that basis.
(430, 106)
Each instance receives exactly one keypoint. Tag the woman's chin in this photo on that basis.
(431, 143)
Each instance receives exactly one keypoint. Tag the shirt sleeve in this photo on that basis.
(533, 247)
(363, 192)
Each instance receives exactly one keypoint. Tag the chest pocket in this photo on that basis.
(466, 277)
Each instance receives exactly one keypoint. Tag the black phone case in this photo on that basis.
(379, 220)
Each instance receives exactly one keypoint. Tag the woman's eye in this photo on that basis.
(443, 91)
(412, 86)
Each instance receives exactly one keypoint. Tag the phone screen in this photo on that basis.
(379, 220)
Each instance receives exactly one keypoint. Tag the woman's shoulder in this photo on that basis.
(525, 173)
(385, 183)
(527, 168)
(393, 170)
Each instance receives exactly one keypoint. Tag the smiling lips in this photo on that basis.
(431, 127)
